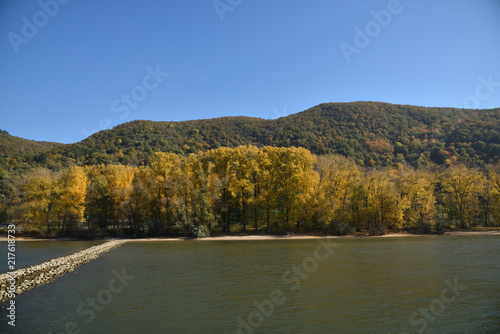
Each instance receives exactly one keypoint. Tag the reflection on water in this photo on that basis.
(367, 285)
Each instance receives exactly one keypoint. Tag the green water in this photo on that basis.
(368, 285)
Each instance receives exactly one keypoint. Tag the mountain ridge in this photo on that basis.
(10, 144)
(372, 133)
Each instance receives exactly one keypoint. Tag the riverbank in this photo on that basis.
(305, 237)
(492, 231)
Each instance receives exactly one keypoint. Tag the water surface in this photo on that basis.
(367, 285)
(29, 253)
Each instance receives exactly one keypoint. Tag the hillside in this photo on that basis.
(12, 145)
(372, 133)
(15, 149)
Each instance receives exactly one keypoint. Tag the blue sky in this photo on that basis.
(71, 68)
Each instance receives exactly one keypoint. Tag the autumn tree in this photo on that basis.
(165, 168)
(223, 162)
(139, 203)
(119, 181)
(42, 195)
(462, 187)
(245, 180)
(204, 194)
(415, 189)
(194, 194)
(490, 199)
(73, 184)
(338, 177)
(98, 201)
(291, 169)
(266, 187)
(382, 201)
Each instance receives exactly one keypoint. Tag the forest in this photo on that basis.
(372, 133)
(247, 189)
(334, 168)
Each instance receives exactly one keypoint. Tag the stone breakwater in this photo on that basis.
(28, 278)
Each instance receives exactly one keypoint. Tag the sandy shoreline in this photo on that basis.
(270, 237)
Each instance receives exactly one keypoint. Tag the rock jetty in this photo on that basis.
(28, 278)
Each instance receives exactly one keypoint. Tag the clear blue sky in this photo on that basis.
(85, 65)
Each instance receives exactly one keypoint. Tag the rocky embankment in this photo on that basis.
(28, 278)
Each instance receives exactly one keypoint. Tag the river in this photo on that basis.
(427, 284)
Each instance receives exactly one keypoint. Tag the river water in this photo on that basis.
(429, 284)
(29, 253)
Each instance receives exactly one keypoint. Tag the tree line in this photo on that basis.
(250, 189)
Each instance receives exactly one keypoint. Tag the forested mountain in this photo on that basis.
(12, 145)
(14, 150)
(374, 134)
(283, 179)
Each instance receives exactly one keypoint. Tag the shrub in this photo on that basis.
(201, 231)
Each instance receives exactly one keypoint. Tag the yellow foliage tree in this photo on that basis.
(415, 197)
(338, 179)
(462, 187)
(164, 169)
(73, 184)
(382, 201)
(42, 195)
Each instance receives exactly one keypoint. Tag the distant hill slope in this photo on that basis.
(14, 149)
(372, 133)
